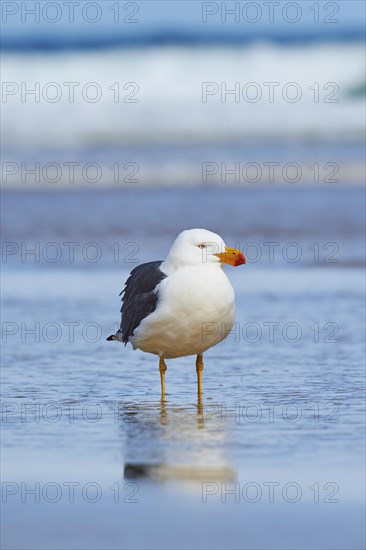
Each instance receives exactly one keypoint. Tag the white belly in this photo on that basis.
(196, 310)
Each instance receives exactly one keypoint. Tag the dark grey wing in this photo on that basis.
(139, 297)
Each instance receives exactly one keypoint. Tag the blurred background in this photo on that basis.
(124, 123)
(128, 82)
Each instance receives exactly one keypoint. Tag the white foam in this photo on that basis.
(170, 106)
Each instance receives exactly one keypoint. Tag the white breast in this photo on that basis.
(196, 310)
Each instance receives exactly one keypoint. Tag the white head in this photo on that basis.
(199, 247)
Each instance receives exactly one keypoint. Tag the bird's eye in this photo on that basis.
(202, 246)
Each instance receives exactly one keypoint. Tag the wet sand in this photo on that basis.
(272, 458)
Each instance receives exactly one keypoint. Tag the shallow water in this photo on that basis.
(281, 422)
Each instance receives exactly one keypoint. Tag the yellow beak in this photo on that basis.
(232, 256)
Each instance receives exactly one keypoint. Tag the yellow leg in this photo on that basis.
(162, 369)
(199, 369)
(200, 417)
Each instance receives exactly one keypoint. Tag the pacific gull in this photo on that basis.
(183, 305)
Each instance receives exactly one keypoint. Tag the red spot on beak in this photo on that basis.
(240, 259)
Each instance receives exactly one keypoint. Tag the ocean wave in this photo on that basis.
(183, 95)
(35, 26)
(58, 42)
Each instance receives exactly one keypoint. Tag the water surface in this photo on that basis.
(281, 421)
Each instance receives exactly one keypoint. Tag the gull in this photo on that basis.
(179, 306)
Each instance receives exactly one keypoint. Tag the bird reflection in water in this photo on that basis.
(167, 442)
